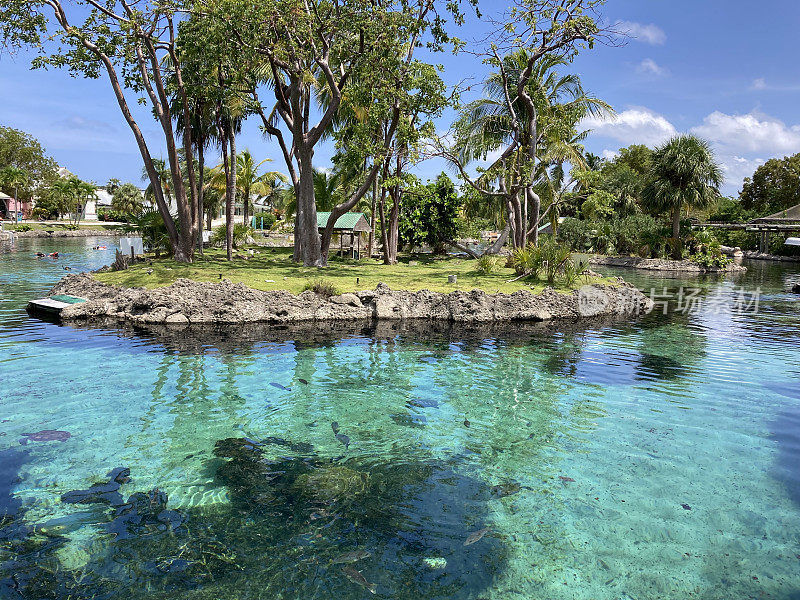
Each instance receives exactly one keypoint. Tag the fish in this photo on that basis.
(345, 441)
(466, 422)
(280, 387)
(476, 536)
(48, 435)
(566, 479)
(359, 579)
(335, 427)
(303, 381)
(351, 557)
(686, 506)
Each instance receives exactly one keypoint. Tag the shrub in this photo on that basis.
(550, 258)
(704, 249)
(323, 288)
(635, 234)
(240, 234)
(268, 218)
(527, 260)
(150, 225)
(21, 227)
(488, 264)
(554, 258)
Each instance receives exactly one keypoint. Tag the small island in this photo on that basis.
(265, 286)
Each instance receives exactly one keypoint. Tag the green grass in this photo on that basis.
(273, 269)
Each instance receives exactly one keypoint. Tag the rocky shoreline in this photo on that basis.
(660, 264)
(66, 233)
(190, 302)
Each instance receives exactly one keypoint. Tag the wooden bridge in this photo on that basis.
(785, 221)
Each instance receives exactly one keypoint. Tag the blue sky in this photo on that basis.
(716, 68)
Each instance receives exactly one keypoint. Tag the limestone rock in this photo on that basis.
(187, 301)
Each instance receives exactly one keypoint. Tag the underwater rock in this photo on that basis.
(236, 448)
(422, 403)
(47, 435)
(436, 563)
(796, 288)
(505, 489)
(332, 483)
(407, 420)
(143, 513)
(101, 493)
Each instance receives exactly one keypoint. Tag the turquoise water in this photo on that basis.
(652, 459)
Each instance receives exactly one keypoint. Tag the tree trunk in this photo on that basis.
(390, 228)
(677, 247)
(228, 194)
(306, 221)
(499, 243)
(232, 205)
(372, 219)
(536, 204)
(200, 207)
(246, 206)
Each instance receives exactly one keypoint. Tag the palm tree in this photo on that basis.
(13, 178)
(165, 177)
(126, 199)
(486, 126)
(685, 173)
(249, 181)
(81, 193)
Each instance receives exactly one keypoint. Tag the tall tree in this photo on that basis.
(346, 45)
(134, 44)
(774, 186)
(503, 122)
(250, 181)
(15, 180)
(22, 151)
(126, 199)
(685, 173)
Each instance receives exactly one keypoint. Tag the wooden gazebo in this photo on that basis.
(350, 225)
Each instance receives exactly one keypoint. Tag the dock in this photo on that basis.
(53, 305)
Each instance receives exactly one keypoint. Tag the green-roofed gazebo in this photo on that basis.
(349, 227)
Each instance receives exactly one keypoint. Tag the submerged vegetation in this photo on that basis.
(319, 526)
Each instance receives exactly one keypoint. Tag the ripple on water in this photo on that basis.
(603, 436)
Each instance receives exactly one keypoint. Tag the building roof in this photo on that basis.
(351, 221)
(5, 196)
(790, 214)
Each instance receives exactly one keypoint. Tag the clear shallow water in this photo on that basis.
(653, 459)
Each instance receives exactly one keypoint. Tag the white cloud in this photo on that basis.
(647, 33)
(650, 67)
(610, 154)
(759, 84)
(737, 168)
(752, 132)
(633, 126)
